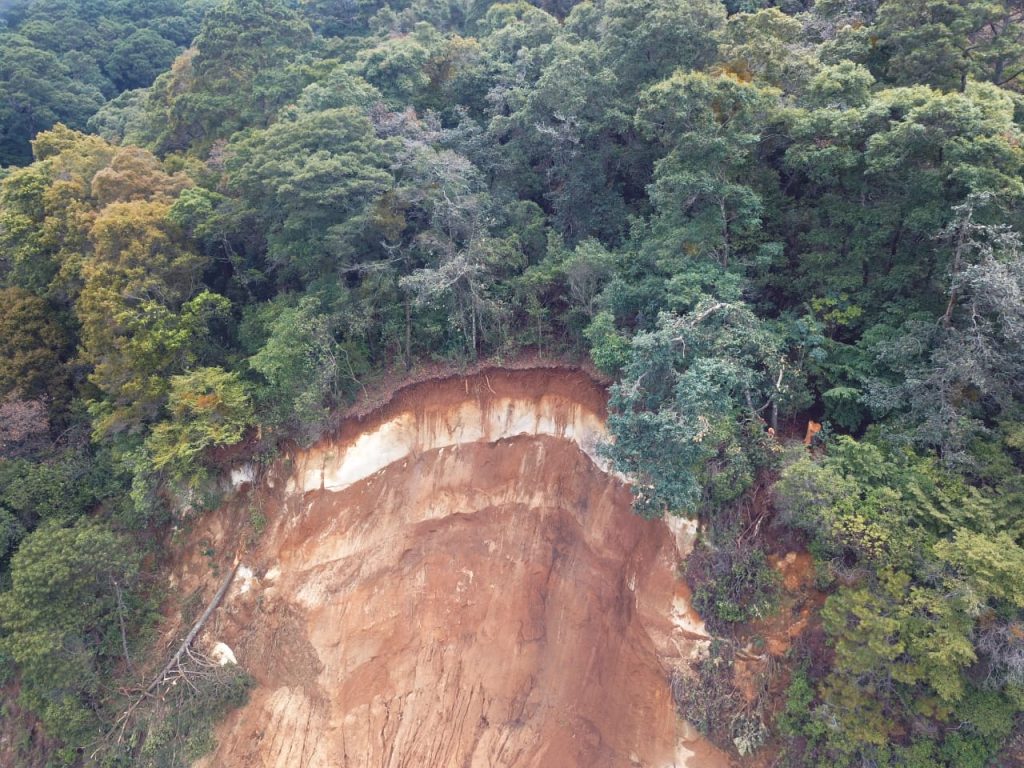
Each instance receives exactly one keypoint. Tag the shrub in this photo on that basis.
(731, 583)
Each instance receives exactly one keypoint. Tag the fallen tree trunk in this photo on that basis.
(121, 724)
(197, 627)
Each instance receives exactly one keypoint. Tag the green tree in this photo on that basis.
(207, 407)
(769, 47)
(683, 394)
(702, 188)
(32, 346)
(137, 59)
(73, 591)
(59, 61)
(944, 43)
(398, 66)
(646, 41)
(923, 571)
(132, 334)
(460, 253)
(878, 178)
(45, 211)
(235, 76)
(312, 179)
(569, 122)
(950, 376)
(303, 364)
(37, 90)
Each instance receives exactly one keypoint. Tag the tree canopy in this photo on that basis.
(221, 220)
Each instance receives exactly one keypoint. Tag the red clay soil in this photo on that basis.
(760, 669)
(493, 603)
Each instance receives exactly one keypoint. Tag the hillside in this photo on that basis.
(485, 597)
(246, 242)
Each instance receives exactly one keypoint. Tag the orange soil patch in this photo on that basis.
(486, 598)
(770, 638)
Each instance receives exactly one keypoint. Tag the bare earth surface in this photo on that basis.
(454, 581)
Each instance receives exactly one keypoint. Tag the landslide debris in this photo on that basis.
(455, 580)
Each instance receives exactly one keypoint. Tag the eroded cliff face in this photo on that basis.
(455, 581)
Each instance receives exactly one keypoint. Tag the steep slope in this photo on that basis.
(454, 581)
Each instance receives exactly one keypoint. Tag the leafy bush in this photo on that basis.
(209, 407)
(731, 582)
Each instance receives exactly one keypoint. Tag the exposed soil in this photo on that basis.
(454, 580)
(760, 671)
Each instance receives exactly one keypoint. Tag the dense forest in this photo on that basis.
(221, 219)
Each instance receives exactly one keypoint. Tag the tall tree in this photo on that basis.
(461, 254)
(302, 362)
(33, 346)
(71, 597)
(140, 277)
(235, 76)
(944, 43)
(951, 376)
(312, 178)
(702, 188)
(682, 396)
(646, 41)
